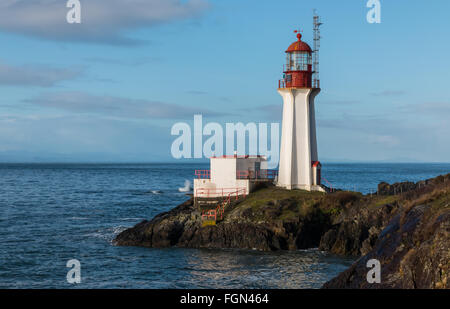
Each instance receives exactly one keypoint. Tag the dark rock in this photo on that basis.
(275, 225)
(356, 229)
(413, 252)
(164, 230)
(397, 188)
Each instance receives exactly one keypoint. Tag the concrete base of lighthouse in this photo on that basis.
(298, 140)
(302, 187)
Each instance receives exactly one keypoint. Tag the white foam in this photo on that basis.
(187, 186)
(107, 234)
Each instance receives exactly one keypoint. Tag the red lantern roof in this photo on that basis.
(299, 46)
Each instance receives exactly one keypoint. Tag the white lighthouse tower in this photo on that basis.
(299, 166)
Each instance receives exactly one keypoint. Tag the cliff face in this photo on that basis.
(356, 229)
(413, 251)
(413, 247)
(408, 231)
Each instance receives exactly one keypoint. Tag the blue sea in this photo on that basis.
(52, 213)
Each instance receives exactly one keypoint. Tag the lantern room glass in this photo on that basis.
(298, 61)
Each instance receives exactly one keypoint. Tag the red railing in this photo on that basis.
(209, 214)
(237, 156)
(207, 192)
(218, 212)
(260, 174)
(282, 83)
(203, 174)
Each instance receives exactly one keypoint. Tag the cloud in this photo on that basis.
(338, 102)
(75, 138)
(275, 111)
(372, 124)
(270, 111)
(225, 99)
(388, 93)
(386, 137)
(441, 109)
(79, 102)
(101, 21)
(385, 140)
(40, 76)
(122, 62)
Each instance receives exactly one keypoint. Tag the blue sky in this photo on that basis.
(111, 88)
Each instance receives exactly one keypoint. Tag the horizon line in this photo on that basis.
(201, 161)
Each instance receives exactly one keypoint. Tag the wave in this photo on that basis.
(107, 234)
(187, 186)
(117, 230)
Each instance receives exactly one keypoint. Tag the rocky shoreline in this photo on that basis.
(406, 226)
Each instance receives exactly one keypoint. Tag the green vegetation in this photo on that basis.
(271, 204)
(378, 201)
(275, 205)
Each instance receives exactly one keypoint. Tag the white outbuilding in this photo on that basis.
(232, 176)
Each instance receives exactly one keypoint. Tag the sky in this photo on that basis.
(111, 88)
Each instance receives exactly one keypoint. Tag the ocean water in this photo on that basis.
(52, 213)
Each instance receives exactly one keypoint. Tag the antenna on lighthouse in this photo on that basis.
(317, 23)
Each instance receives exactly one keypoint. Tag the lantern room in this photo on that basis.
(298, 68)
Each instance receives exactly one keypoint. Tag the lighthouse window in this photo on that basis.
(299, 61)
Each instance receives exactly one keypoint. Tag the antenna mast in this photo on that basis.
(317, 23)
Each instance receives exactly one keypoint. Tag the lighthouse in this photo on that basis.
(299, 166)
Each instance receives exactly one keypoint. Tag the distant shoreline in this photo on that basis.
(207, 162)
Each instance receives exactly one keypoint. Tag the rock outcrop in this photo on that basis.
(413, 251)
(405, 226)
(399, 187)
(413, 248)
(356, 229)
(270, 219)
